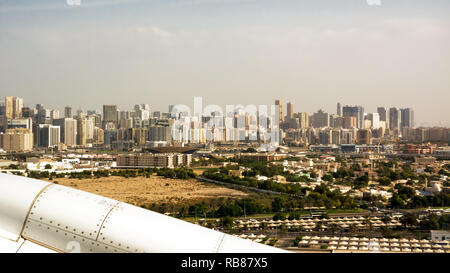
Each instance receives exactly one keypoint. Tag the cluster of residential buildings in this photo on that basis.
(368, 164)
(153, 160)
(23, 128)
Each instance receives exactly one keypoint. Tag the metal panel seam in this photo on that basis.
(17, 251)
(43, 245)
(104, 219)
(31, 206)
(220, 243)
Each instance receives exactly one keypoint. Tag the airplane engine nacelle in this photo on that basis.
(37, 216)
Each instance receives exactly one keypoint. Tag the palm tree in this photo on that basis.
(333, 227)
(318, 226)
(368, 224)
(353, 228)
(386, 219)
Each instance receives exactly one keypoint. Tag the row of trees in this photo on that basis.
(178, 173)
(235, 208)
(321, 196)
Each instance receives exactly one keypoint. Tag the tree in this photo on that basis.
(386, 232)
(353, 228)
(327, 177)
(368, 223)
(318, 226)
(386, 219)
(396, 201)
(333, 227)
(279, 216)
(385, 181)
(409, 219)
(278, 204)
(297, 240)
(227, 222)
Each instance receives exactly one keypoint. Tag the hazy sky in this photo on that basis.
(314, 53)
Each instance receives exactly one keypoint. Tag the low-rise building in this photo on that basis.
(439, 235)
(153, 160)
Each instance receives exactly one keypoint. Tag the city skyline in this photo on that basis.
(229, 52)
(285, 113)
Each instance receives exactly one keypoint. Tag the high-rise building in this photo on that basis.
(350, 122)
(384, 117)
(303, 119)
(90, 126)
(339, 109)
(3, 123)
(49, 135)
(54, 114)
(159, 133)
(290, 111)
(99, 136)
(320, 119)
(337, 121)
(407, 118)
(43, 115)
(82, 131)
(17, 140)
(394, 118)
(374, 120)
(39, 106)
(68, 112)
(13, 107)
(143, 111)
(279, 103)
(364, 136)
(110, 114)
(2, 108)
(141, 135)
(383, 113)
(28, 112)
(354, 111)
(68, 130)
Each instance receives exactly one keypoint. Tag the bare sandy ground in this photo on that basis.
(154, 190)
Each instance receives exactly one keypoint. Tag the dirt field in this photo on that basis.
(154, 190)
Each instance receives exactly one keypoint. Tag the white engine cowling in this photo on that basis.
(37, 216)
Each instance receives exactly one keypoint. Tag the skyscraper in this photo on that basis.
(110, 114)
(339, 109)
(290, 110)
(70, 132)
(407, 118)
(49, 135)
(17, 140)
(143, 111)
(82, 131)
(355, 111)
(384, 115)
(279, 103)
(13, 107)
(54, 114)
(394, 118)
(303, 120)
(68, 112)
(320, 119)
(374, 119)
